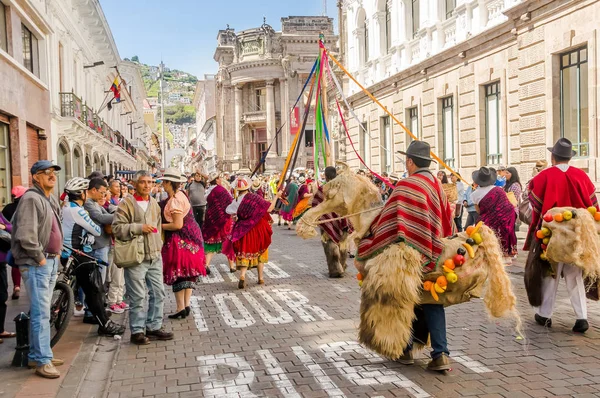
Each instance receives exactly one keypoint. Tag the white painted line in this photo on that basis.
(214, 277)
(284, 316)
(469, 363)
(280, 380)
(287, 257)
(276, 250)
(318, 275)
(302, 265)
(247, 318)
(367, 375)
(229, 275)
(240, 385)
(273, 271)
(197, 312)
(324, 381)
(299, 304)
(340, 289)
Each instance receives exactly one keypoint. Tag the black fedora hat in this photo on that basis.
(484, 177)
(418, 149)
(563, 148)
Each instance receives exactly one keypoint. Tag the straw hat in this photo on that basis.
(241, 184)
(301, 179)
(213, 176)
(173, 174)
(256, 183)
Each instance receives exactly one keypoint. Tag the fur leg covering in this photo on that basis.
(390, 291)
(333, 256)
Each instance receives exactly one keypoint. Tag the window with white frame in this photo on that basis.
(30, 51)
(260, 99)
(388, 28)
(415, 17)
(413, 123)
(492, 123)
(365, 143)
(448, 130)
(386, 144)
(450, 6)
(574, 110)
(3, 31)
(5, 172)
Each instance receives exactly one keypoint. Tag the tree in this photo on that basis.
(135, 58)
(180, 114)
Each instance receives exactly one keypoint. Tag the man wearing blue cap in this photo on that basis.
(36, 246)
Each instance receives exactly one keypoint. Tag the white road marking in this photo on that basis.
(287, 257)
(281, 381)
(228, 317)
(315, 369)
(318, 275)
(340, 289)
(273, 271)
(197, 312)
(229, 275)
(302, 265)
(211, 383)
(374, 374)
(214, 277)
(300, 306)
(284, 316)
(469, 363)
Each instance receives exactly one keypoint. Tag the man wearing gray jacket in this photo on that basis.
(37, 240)
(97, 191)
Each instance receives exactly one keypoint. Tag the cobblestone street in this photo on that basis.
(296, 337)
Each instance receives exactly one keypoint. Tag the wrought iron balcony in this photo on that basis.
(72, 106)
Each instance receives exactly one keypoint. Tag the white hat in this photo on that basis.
(173, 174)
(241, 184)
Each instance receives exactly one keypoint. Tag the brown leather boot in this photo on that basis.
(139, 339)
(55, 362)
(440, 363)
(159, 334)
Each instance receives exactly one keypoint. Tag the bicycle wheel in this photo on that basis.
(61, 311)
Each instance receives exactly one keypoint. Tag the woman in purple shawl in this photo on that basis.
(495, 210)
(183, 248)
(217, 223)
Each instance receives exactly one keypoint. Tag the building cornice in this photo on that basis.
(253, 64)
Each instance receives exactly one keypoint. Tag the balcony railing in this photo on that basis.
(72, 106)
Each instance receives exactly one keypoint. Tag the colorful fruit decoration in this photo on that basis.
(548, 217)
(359, 276)
(558, 217)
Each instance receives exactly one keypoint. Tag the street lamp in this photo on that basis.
(98, 63)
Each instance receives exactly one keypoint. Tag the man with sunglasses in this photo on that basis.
(36, 245)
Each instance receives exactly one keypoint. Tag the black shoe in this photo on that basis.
(91, 320)
(336, 275)
(351, 255)
(540, 320)
(232, 270)
(111, 329)
(242, 284)
(159, 334)
(207, 271)
(581, 326)
(139, 339)
(179, 315)
(187, 311)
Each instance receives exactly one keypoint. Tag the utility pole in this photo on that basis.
(162, 117)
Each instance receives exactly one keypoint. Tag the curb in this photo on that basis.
(92, 368)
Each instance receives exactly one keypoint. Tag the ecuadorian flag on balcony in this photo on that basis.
(116, 89)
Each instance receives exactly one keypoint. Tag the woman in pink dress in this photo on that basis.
(183, 248)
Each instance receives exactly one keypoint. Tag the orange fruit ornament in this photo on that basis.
(540, 235)
(597, 216)
(442, 281)
(450, 264)
(558, 217)
(470, 229)
(359, 276)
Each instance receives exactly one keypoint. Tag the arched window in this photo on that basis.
(64, 161)
(416, 25)
(77, 163)
(97, 166)
(366, 41)
(362, 37)
(88, 166)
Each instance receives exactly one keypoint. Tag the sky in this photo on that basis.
(184, 32)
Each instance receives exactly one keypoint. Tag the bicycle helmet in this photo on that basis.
(77, 185)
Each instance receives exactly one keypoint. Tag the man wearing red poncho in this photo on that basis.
(558, 186)
(418, 214)
(251, 235)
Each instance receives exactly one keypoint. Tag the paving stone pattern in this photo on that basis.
(296, 337)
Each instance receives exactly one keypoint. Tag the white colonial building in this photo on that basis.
(87, 136)
(261, 73)
(485, 82)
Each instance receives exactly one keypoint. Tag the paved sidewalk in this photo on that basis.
(295, 337)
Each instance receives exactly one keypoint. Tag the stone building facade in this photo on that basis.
(24, 92)
(261, 73)
(486, 83)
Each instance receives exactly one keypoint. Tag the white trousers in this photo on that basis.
(575, 287)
